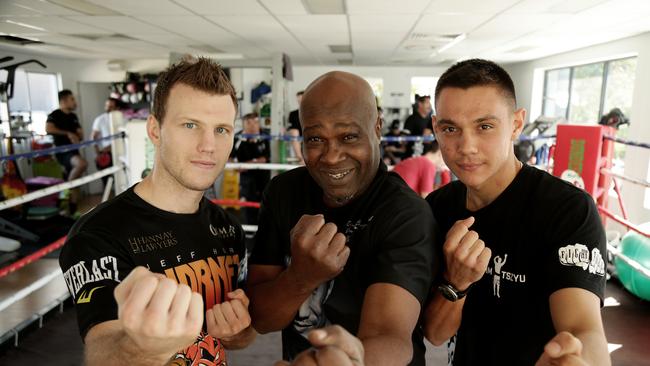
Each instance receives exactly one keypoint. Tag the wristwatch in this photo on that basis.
(450, 292)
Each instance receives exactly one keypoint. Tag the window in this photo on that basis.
(35, 96)
(583, 93)
(618, 94)
(423, 85)
(556, 92)
(586, 87)
(377, 85)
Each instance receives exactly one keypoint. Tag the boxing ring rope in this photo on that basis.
(12, 202)
(61, 149)
(405, 138)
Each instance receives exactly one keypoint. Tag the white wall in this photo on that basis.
(528, 78)
(396, 80)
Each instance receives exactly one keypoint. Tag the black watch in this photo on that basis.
(450, 292)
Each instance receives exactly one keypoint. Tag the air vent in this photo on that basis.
(340, 48)
(7, 39)
(345, 62)
(420, 36)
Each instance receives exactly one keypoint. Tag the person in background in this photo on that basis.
(102, 128)
(295, 130)
(63, 125)
(419, 172)
(252, 150)
(394, 151)
(419, 124)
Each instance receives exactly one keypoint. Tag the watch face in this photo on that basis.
(448, 292)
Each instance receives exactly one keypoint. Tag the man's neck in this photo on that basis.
(479, 197)
(164, 192)
(65, 110)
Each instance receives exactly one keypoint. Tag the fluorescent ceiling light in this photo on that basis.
(26, 25)
(453, 42)
(324, 6)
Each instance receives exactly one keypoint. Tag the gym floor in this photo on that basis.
(626, 321)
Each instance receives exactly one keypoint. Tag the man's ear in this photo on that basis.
(153, 130)
(518, 125)
(378, 126)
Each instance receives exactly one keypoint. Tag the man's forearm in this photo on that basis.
(442, 319)
(116, 349)
(241, 340)
(53, 130)
(594, 347)
(387, 350)
(270, 311)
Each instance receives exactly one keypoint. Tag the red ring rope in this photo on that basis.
(236, 203)
(32, 257)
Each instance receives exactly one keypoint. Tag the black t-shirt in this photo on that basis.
(545, 235)
(294, 121)
(248, 149)
(66, 122)
(416, 124)
(204, 250)
(390, 232)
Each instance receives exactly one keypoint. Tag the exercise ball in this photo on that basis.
(636, 247)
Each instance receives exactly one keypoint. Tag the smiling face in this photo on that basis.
(194, 139)
(476, 128)
(341, 134)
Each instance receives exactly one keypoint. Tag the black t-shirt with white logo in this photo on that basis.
(390, 232)
(545, 235)
(204, 250)
(66, 122)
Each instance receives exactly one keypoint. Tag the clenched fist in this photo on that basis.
(158, 315)
(466, 256)
(229, 318)
(318, 251)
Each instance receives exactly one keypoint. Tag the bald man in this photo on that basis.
(341, 240)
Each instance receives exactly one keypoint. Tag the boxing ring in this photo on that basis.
(36, 275)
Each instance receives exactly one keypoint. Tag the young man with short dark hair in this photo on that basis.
(524, 273)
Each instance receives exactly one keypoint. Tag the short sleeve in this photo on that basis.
(92, 268)
(578, 253)
(271, 242)
(96, 123)
(405, 251)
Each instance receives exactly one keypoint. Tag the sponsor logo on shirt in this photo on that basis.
(578, 255)
(352, 227)
(150, 243)
(84, 298)
(224, 232)
(213, 278)
(498, 274)
(104, 268)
